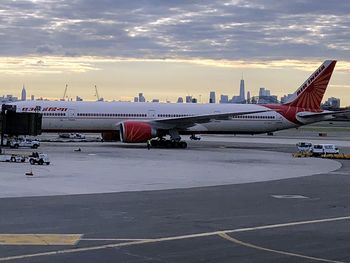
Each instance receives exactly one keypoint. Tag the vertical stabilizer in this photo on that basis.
(310, 93)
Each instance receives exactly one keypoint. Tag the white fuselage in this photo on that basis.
(65, 116)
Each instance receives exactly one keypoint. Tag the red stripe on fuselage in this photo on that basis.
(289, 112)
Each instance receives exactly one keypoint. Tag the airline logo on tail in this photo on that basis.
(310, 94)
(309, 81)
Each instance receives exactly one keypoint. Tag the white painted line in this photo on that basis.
(147, 241)
(290, 196)
(236, 241)
(113, 239)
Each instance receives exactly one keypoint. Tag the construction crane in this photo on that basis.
(65, 93)
(96, 93)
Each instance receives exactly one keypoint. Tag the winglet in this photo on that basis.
(310, 93)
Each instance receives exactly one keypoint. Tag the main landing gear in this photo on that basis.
(162, 143)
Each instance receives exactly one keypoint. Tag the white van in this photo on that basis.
(304, 146)
(319, 149)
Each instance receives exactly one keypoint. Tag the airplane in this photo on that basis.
(140, 122)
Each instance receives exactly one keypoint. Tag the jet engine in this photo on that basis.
(136, 132)
(112, 136)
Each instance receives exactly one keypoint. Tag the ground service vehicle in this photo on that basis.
(12, 158)
(304, 146)
(319, 149)
(39, 158)
(24, 142)
(72, 135)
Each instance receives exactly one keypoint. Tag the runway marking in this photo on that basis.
(236, 241)
(39, 239)
(172, 238)
(290, 196)
(113, 239)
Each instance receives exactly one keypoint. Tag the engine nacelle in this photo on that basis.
(113, 136)
(136, 132)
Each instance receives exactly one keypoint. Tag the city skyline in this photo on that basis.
(170, 49)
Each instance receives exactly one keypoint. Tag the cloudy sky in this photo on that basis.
(172, 48)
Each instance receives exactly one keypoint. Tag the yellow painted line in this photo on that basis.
(40, 239)
(236, 241)
(172, 238)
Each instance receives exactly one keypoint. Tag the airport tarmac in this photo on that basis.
(224, 199)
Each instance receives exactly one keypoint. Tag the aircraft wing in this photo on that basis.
(189, 121)
(308, 115)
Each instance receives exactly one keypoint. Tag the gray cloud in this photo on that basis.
(236, 29)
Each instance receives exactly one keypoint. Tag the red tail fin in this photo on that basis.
(310, 94)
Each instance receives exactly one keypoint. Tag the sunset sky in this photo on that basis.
(168, 49)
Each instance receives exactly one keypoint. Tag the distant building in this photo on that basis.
(264, 92)
(236, 99)
(8, 98)
(242, 91)
(268, 100)
(265, 97)
(224, 99)
(286, 98)
(212, 97)
(24, 94)
(188, 99)
(180, 100)
(332, 103)
(141, 98)
(248, 97)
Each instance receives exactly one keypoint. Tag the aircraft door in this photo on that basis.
(71, 114)
(152, 114)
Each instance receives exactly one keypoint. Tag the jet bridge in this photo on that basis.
(13, 123)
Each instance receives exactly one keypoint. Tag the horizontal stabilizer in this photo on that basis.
(308, 115)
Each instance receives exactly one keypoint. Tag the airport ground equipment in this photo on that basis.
(13, 158)
(24, 142)
(163, 143)
(321, 149)
(304, 146)
(39, 158)
(339, 156)
(72, 136)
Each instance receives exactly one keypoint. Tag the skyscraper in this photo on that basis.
(223, 99)
(212, 97)
(141, 98)
(24, 94)
(242, 91)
